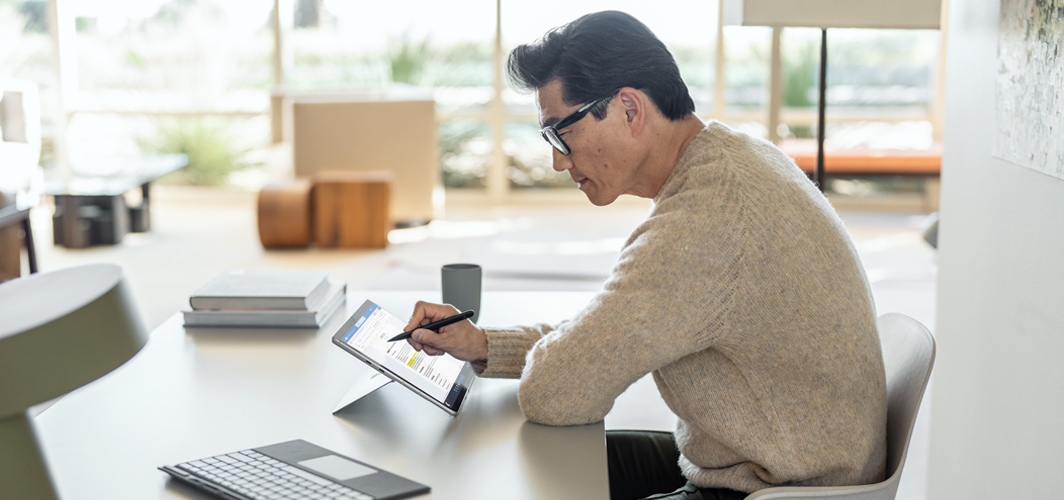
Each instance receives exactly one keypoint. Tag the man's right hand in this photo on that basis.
(463, 340)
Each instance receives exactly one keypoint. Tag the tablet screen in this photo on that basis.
(441, 378)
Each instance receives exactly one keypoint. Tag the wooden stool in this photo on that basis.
(285, 214)
(352, 209)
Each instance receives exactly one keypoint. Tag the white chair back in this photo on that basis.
(908, 356)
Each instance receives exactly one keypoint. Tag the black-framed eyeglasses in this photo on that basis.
(550, 132)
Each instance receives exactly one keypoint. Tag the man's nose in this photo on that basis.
(561, 162)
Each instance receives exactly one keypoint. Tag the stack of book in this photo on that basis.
(268, 298)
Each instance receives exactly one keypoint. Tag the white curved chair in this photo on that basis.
(908, 356)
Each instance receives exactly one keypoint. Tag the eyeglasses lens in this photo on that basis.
(552, 137)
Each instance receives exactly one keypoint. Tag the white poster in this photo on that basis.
(1030, 85)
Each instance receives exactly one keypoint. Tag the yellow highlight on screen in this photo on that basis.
(411, 362)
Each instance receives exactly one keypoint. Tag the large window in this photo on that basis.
(158, 76)
(880, 86)
(446, 47)
(341, 44)
(26, 53)
(153, 74)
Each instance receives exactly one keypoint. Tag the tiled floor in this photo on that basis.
(555, 246)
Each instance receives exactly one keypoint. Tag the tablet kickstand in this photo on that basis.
(362, 388)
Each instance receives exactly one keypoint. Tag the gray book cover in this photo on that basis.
(262, 289)
(275, 318)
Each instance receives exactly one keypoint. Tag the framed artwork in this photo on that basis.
(1030, 85)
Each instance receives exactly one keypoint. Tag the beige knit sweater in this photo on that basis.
(743, 294)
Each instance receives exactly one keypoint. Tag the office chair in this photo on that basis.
(908, 356)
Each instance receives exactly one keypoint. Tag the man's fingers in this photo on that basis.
(424, 313)
(424, 346)
(427, 312)
(417, 317)
(427, 339)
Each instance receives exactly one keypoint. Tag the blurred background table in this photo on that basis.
(90, 204)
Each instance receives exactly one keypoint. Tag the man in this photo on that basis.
(741, 292)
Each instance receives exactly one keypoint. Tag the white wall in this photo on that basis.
(997, 413)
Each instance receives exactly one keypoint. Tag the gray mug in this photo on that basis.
(461, 287)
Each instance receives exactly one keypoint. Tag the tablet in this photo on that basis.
(443, 380)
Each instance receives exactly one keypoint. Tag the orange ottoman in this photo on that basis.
(352, 209)
(285, 214)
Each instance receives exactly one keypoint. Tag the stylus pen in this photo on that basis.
(433, 326)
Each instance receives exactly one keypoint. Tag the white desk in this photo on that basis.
(201, 392)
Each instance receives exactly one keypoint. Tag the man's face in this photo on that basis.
(598, 160)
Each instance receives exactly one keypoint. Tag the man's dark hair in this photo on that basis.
(600, 53)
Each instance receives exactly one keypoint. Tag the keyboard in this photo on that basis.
(252, 475)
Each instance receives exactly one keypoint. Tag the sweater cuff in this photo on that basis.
(507, 348)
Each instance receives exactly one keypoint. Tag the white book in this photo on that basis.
(267, 318)
(263, 289)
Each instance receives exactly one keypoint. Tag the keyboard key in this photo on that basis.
(257, 476)
(306, 475)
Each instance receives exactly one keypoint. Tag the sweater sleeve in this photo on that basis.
(668, 292)
(507, 348)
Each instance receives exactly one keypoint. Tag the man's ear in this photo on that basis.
(634, 104)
